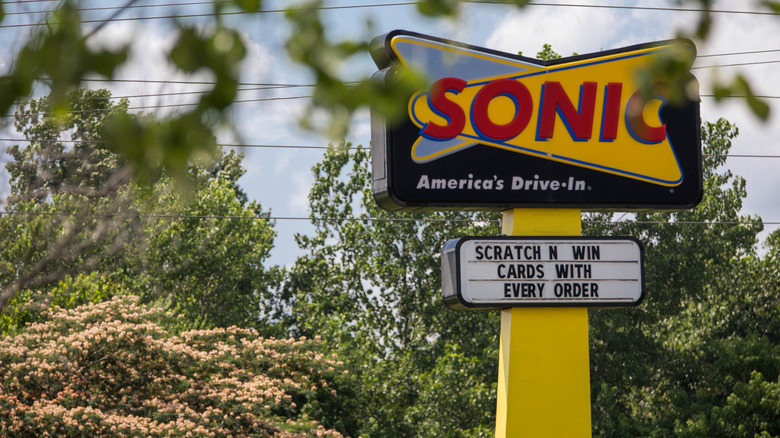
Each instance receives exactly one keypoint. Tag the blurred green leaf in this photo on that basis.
(157, 146)
(740, 87)
(58, 55)
(219, 51)
(250, 5)
(435, 8)
(773, 6)
(758, 106)
(186, 52)
(244, 5)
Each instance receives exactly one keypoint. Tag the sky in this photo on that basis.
(280, 177)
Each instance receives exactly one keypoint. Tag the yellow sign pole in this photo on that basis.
(543, 369)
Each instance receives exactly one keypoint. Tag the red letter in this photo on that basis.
(635, 122)
(611, 113)
(579, 121)
(523, 107)
(449, 110)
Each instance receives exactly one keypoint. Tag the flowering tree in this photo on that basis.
(111, 369)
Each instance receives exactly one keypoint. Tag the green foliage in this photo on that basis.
(685, 362)
(219, 52)
(772, 5)
(750, 411)
(710, 319)
(46, 165)
(60, 56)
(57, 191)
(57, 53)
(438, 7)
(209, 266)
(28, 307)
(741, 87)
(310, 46)
(371, 289)
(245, 5)
(111, 369)
(547, 53)
(453, 397)
(76, 209)
(83, 289)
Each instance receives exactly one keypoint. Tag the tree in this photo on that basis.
(68, 207)
(697, 355)
(668, 366)
(112, 369)
(79, 209)
(370, 286)
(210, 263)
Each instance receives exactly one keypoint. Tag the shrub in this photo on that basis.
(111, 369)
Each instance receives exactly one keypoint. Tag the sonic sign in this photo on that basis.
(496, 131)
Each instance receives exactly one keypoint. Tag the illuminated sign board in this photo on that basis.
(495, 130)
(500, 272)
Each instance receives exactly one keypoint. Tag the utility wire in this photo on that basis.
(365, 219)
(212, 14)
(167, 81)
(263, 218)
(234, 145)
(187, 93)
(113, 17)
(635, 8)
(749, 52)
(738, 64)
(279, 146)
(173, 105)
(408, 3)
(358, 6)
(276, 87)
(268, 99)
(109, 8)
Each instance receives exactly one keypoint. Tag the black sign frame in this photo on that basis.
(452, 288)
(396, 176)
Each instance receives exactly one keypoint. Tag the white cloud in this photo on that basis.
(150, 45)
(568, 30)
(299, 197)
(282, 163)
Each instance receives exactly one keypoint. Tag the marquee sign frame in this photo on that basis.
(498, 131)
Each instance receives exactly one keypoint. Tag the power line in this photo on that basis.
(173, 105)
(749, 52)
(279, 146)
(172, 81)
(265, 99)
(110, 8)
(761, 96)
(233, 217)
(235, 145)
(268, 99)
(211, 14)
(408, 3)
(751, 223)
(738, 64)
(113, 17)
(273, 87)
(365, 219)
(635, 8)
(186, 93)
